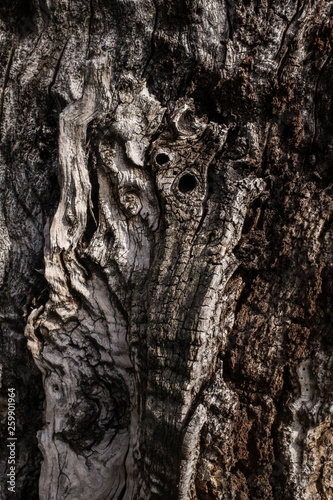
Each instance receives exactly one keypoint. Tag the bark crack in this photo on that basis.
(35, 45)
(6, 79)
(315, 101)
(92, 13)
(152, 51)
(56, 70)
(230, 28)
(298, 13)
(296, 16)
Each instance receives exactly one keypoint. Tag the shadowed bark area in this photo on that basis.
(166, 248)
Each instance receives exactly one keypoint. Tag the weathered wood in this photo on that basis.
(166, 200)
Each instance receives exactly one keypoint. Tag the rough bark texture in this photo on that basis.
(166, 248)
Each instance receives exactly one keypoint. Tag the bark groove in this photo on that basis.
(166, 250)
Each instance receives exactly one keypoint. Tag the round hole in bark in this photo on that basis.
(187, 183)
(162, 158)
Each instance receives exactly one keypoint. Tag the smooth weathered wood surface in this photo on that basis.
(166, 248)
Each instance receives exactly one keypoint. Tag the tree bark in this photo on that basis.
(166, 251)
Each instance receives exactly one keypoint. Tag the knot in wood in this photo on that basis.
(130, 201)
(180, 158)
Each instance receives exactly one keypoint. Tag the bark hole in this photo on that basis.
(187, 183)
(162, 158)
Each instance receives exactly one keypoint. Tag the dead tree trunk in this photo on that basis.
(166, 250)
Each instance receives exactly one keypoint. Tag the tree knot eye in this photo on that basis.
(187, 183)
(162, 158)
(130, 202)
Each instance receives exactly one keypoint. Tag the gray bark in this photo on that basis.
(166, 250)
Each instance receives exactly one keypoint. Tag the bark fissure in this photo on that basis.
(315, 100)
(152, 50)
(57, 68)
(299, 10)
(6, 79)
(91, 18)
(182, 322)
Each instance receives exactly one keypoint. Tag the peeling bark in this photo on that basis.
(166, 248)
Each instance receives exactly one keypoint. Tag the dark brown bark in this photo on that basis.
(166, 201)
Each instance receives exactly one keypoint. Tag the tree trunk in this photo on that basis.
(166, 251)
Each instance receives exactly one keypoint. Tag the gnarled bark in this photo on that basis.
(174, 289)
